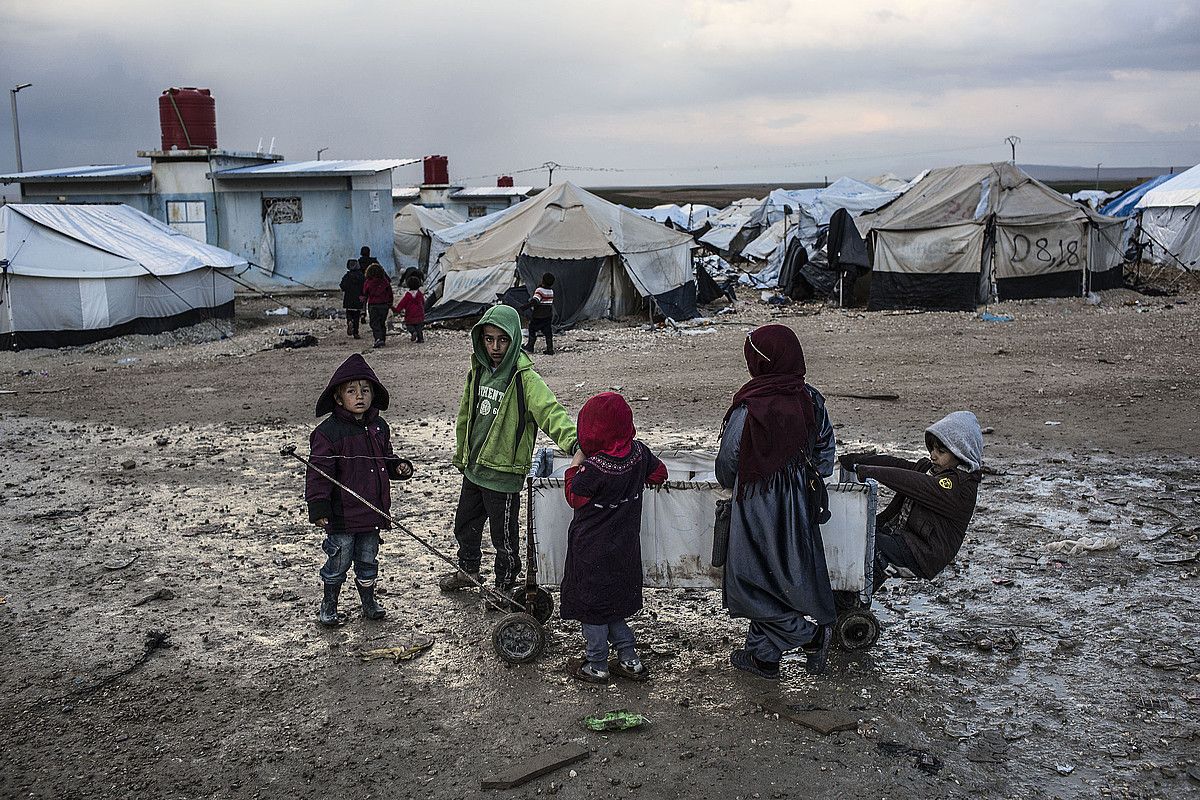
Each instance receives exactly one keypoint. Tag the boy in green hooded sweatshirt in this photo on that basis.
(504, 404)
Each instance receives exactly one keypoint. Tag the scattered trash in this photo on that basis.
(307, 340)
(1178, 559)
(155, 640)
(866, 396)
(923, 760)
(129, 563)
(128, 360)
(1084, 544)
(822, 720)
(161, 594)
(282, 311)
(1052, 422)
(397, 654)
(537, 766)
(988, 316)
(618, 720)
(1064, 769)
(1002, 581)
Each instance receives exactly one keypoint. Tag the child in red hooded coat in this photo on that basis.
(602, 579)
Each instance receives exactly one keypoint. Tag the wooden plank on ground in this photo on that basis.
(822, 720)
(537, 766)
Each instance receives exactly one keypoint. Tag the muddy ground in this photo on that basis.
(144, 491)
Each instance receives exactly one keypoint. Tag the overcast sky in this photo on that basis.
(709, 91)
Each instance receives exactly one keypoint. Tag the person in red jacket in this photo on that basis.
(378, 297)
(412, 306)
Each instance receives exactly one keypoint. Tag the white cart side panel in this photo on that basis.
(677, 524)
(682, 465)
(848, 536)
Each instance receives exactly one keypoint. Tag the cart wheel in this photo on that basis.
(857, 630)
(543, 604)
(518, 638)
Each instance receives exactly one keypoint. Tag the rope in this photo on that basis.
(208, 316)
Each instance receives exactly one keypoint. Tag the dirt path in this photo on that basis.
(1018, 672)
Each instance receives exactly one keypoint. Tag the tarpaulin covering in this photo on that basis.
(944, 227)
(413, 230)
(567, 224)
(79, 274)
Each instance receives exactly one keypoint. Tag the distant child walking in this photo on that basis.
(542, 319)
(602, 580)
(922, 529)
(412, 306)
(503, 405)
(377, 294)
(352, 289)
(353, 445)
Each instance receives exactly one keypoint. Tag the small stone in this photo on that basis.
(128, 464)
(573, 774)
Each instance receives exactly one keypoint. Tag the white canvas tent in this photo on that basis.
(605, 259)
(974, 232)
(727, 223)
(689, 217)
(413, 231)
(74, 274)
(1168, 220)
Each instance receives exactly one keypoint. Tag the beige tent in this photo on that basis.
(413, 229)
(977, 232)
(605, 259)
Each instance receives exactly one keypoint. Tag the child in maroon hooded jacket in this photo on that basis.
(353, 446)
(602, 578)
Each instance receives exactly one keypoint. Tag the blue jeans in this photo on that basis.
(342, 549)
(599, 636)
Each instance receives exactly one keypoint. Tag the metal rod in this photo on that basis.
(12, 96)
(290, 450)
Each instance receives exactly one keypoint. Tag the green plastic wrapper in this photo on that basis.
(618, 720)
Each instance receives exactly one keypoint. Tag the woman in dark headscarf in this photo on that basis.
(776, 446)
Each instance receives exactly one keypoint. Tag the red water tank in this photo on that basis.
(437, 170)
(504, 180)
(188, 118)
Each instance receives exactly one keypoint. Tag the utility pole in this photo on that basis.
(1097, 177)
(12, 94)
(1011, 141)
(319, 151)
(550, 165)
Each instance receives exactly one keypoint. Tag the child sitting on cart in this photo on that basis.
(602, 579)
(922, 529)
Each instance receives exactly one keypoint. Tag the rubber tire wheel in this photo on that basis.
(518, 638)
(856, 630)
(543, 605)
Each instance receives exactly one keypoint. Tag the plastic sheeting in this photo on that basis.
(688, 217)
(1181, 190)
(1123, 205)
(413, 230)
(677, 526)
(74, 241)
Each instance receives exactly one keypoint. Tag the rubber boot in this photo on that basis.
(349, 326)
(327, 615)
(370, 608)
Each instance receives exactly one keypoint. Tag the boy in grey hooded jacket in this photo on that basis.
(922, 528)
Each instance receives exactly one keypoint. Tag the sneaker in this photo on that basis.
(630, 669)
(743, 660)
(457, 580)
(585, 671)
(549, 352)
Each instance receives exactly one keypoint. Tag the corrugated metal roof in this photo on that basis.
(91, 172)
(311, 169)
(492, 191)
(405, 192)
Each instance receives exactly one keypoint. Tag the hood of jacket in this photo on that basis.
(959, 431)
(508, 320)
(354, 368)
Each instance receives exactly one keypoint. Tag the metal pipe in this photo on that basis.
(12, 95)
